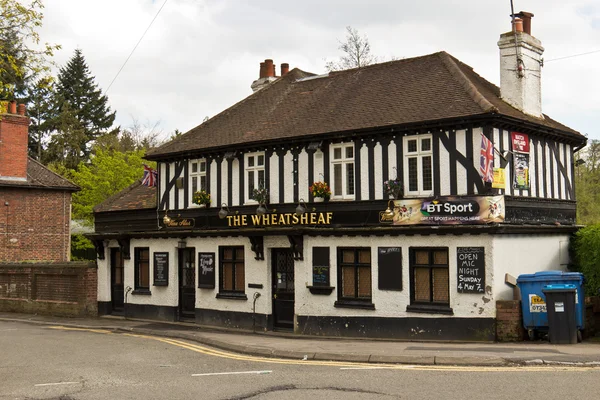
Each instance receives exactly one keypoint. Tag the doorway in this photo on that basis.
(283, 289)
(187, 283)
(117, 291)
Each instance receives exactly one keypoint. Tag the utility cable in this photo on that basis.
(135, 47)
(574, 55)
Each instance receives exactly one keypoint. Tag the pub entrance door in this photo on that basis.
(117, 291)
(283, 288)
(187, 283)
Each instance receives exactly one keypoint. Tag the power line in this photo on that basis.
(135, 47)
(574, 55)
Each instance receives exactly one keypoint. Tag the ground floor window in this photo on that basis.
(430, 281)
(354, 274)
(142, 268)
(231, 269)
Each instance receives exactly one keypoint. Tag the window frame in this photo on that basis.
(196, 180)
(255, 169)
(232, 292)
(419, 154)
(431, 305)
(138, 260)
(343, 161)
(355, 301)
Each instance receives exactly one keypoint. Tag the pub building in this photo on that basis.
(441, 185)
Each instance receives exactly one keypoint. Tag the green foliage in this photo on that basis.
(106, 174)
(586, 248)
(66, 142)
(40, 111)
(82, 248)
(587, 185)
(22, 57)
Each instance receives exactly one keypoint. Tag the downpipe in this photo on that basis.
(127, 290)
(254, 297)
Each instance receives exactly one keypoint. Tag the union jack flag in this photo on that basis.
(486, 166)
(150, 176)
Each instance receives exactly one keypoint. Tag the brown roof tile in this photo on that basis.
(428, 88)
(134, 197)
(40, 177)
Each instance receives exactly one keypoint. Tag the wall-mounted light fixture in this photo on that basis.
(181, 244)
(301, 209)
(225, 211)
(389, 212)
(166, 219)
(263, 209)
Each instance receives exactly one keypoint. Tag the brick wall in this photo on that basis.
(34, 226)
(13, 145)
(509, 321)
(65, 289)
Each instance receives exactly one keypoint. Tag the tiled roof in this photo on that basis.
(40, 177)
(416, 90)
(135, 197)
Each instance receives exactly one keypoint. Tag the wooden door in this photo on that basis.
(117, 291)
(283, 288)
(187, 283)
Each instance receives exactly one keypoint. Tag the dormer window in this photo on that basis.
(255, 173)
(198, 175)
(342, 164)
(418, 165)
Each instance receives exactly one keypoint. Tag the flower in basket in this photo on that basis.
(260, 195)
(393, 187)
(320, 189)
(201, 197)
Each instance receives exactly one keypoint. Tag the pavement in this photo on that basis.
(291, 346)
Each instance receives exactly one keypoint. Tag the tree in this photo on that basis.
(41, 112)
(76, 87)
(107, 173)
(137, 136)
(357, 52)
(20, 61)
(67, 141)
(587, 184)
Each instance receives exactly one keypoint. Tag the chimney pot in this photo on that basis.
(12, 107)
(518, 25)
(22, 109)
(285, 68)
(269, 68)
(526, 18)
(263, 71)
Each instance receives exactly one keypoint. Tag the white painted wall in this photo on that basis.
(526, 254)
(104, 272)
(461, 172)
(364, 172)
(274, 179)
(303, 179)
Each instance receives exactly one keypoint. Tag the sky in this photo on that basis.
(199, 57)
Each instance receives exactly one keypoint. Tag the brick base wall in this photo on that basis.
(64, 289)
(509, 321)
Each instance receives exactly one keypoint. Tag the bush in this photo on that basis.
(586, 247)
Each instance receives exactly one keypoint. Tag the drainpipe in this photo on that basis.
(127, 290)
(255, 297)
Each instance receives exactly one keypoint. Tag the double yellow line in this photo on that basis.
(345, 365)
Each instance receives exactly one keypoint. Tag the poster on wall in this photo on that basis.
(520, 148)
(499, 181)
(470, 268)
(206, 270)
(161, 269)
(447, 211)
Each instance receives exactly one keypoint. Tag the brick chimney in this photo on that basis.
(266, 75)
(521, 67)
(14, 130)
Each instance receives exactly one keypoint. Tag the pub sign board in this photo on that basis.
(470, 267)
(161, 269)
(206, 270)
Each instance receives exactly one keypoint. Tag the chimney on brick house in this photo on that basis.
(14, 130)
(521, 66)
(267, 74)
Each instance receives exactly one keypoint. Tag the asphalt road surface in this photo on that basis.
(44, 362)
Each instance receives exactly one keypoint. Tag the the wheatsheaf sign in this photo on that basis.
(280, 219)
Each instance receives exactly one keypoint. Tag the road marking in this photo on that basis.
(234, 373)
(56, 383)
(68, 328)
(240, 357)
(357, 368)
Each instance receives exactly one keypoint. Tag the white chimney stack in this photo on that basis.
(521, 67)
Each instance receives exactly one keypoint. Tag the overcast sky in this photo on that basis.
(200, 56)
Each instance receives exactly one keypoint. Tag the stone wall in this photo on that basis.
(509, 321)
(63, 289)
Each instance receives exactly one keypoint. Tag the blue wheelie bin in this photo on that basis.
(533, 299)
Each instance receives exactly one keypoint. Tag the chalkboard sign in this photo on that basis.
(389, 260)
(320, 266)
(161, 269)
(206, 270)
(470, 266)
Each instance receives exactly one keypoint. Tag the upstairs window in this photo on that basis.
(255, 173)
(342, 163)
(418, 165)
(198, 176)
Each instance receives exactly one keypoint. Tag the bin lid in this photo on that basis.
(550, 276)
(559, 287)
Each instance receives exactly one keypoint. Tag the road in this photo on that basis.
(43, 362)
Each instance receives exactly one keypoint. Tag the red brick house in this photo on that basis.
(35, 202)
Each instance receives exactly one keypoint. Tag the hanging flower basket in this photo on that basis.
(393, 188)
(201, 198)
(320, 190)
(260, 195)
